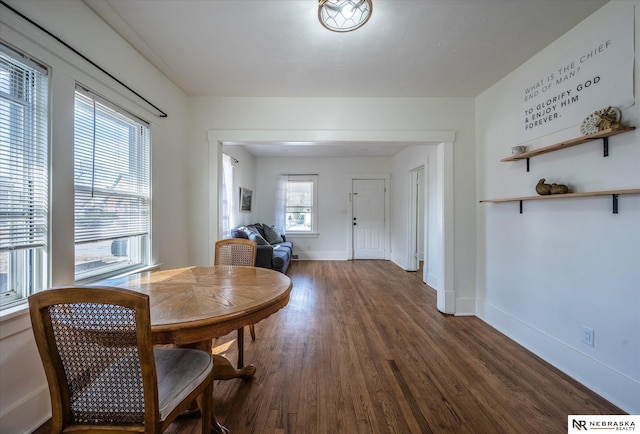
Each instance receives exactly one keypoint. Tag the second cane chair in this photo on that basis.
(237, 251)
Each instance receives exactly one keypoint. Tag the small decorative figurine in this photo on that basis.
(599, 120)
(542, 188)
(559, 189)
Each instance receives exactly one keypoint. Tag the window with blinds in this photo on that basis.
(112, 188)
(23, 176)
(226, 208)
(301, 204)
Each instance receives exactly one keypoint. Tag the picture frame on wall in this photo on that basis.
(246, 197)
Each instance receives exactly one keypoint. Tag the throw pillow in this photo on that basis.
(272, 234)
(243, 231)
(257, 238)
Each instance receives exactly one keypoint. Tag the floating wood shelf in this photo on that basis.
(604, 135)
(613, 193)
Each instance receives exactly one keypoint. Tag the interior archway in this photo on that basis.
(444, 288)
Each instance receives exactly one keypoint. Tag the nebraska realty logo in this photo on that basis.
(582, 423)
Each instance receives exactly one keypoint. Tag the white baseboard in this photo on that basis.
(400, 261)
(322, 256)
(465, 307)
(612, 385)
(27, 415)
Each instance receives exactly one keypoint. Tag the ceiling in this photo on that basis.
(277, 48)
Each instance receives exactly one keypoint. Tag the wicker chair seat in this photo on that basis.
(179, 373)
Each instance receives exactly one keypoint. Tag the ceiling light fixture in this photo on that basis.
(344, 15)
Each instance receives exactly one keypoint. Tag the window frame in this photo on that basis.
(226, 195)
(313, 178)
(26, 157)
(131, 240)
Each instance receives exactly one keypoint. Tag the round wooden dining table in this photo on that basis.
(192, 305)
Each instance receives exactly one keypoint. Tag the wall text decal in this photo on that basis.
(590, 74)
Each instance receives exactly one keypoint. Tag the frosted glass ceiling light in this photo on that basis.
(344, 15)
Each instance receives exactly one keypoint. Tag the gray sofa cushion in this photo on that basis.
(272, 234)
(287, 244)
(258, 239)
(281, 258)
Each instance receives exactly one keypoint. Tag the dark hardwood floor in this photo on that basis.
(361, 348)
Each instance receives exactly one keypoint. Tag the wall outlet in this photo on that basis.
(587, 335)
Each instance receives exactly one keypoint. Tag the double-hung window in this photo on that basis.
(227, 195)
(301, 200)
(23, 177)
(112, 188)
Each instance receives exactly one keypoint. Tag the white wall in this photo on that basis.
(403, 163)
(24, 397)
(334, 185)
(563, 263)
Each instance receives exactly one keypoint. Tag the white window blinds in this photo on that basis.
(301, 203)
(112, 171)
(23, 152)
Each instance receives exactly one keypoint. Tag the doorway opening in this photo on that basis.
(417, 221)
(441, 263)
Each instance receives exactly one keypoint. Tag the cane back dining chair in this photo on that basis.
(237, 251)
(102, 370)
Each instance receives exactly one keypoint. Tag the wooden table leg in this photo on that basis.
(222, 367)
(224, 370)
(240, 342)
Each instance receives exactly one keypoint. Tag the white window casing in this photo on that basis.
(24, 176)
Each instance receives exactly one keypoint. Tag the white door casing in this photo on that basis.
(417, 218)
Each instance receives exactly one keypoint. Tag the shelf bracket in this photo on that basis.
(615, 203)
(605, 146)
(521, 201)
(527, 164)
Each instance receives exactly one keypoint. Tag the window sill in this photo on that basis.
(90, 280)
(23, 308)
(302, 235)
(14, 311)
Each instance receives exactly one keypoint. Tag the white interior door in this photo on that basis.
(368, 218)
